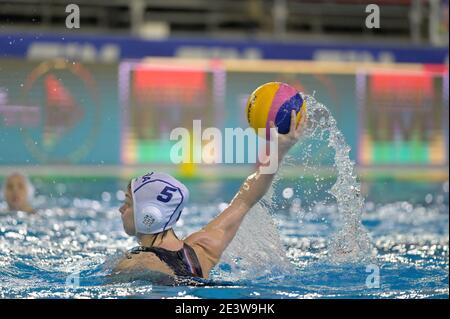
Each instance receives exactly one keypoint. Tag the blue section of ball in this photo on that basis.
(283, 118)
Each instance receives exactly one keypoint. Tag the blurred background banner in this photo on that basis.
(59, 112)
(107, 95)
(112, 49)
(104, 48)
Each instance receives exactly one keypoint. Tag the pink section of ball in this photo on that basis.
(284, 93)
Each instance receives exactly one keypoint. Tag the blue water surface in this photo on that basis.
(68, 249)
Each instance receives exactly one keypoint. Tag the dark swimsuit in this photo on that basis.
(183, 262)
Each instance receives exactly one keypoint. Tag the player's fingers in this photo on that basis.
(273, 127)
(301, 122)
(293, 120)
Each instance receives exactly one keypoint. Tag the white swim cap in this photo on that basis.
(158, 201)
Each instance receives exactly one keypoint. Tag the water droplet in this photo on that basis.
(288, 192)
(106, 197)
(120, 195)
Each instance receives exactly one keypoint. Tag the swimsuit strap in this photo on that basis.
(183, 262)
(192, 260)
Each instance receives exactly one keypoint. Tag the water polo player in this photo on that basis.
(154, 203)
(18, 193)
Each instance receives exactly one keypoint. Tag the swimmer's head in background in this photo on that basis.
(158, 200)
(18, 191)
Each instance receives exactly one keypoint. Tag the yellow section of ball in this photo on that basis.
(259, 104)
(301, 113)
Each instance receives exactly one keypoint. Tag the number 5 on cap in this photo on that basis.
(166, 194)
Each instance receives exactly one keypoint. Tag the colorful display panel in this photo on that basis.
(404, 117)
(157, 98)
(61, 112)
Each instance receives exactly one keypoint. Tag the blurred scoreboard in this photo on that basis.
(159, 97)
(403, 117)
(60, 111)
(390, 115)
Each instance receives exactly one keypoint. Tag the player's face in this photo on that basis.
(127, 214)
(16, 192)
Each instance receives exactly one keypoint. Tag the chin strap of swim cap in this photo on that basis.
(158, 200)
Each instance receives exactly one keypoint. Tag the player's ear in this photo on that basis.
(145, 219)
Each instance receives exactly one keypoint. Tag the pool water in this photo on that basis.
(69, 248)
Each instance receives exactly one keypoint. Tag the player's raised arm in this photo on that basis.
(211, 241)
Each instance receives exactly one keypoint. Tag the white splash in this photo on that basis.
(351, 243)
